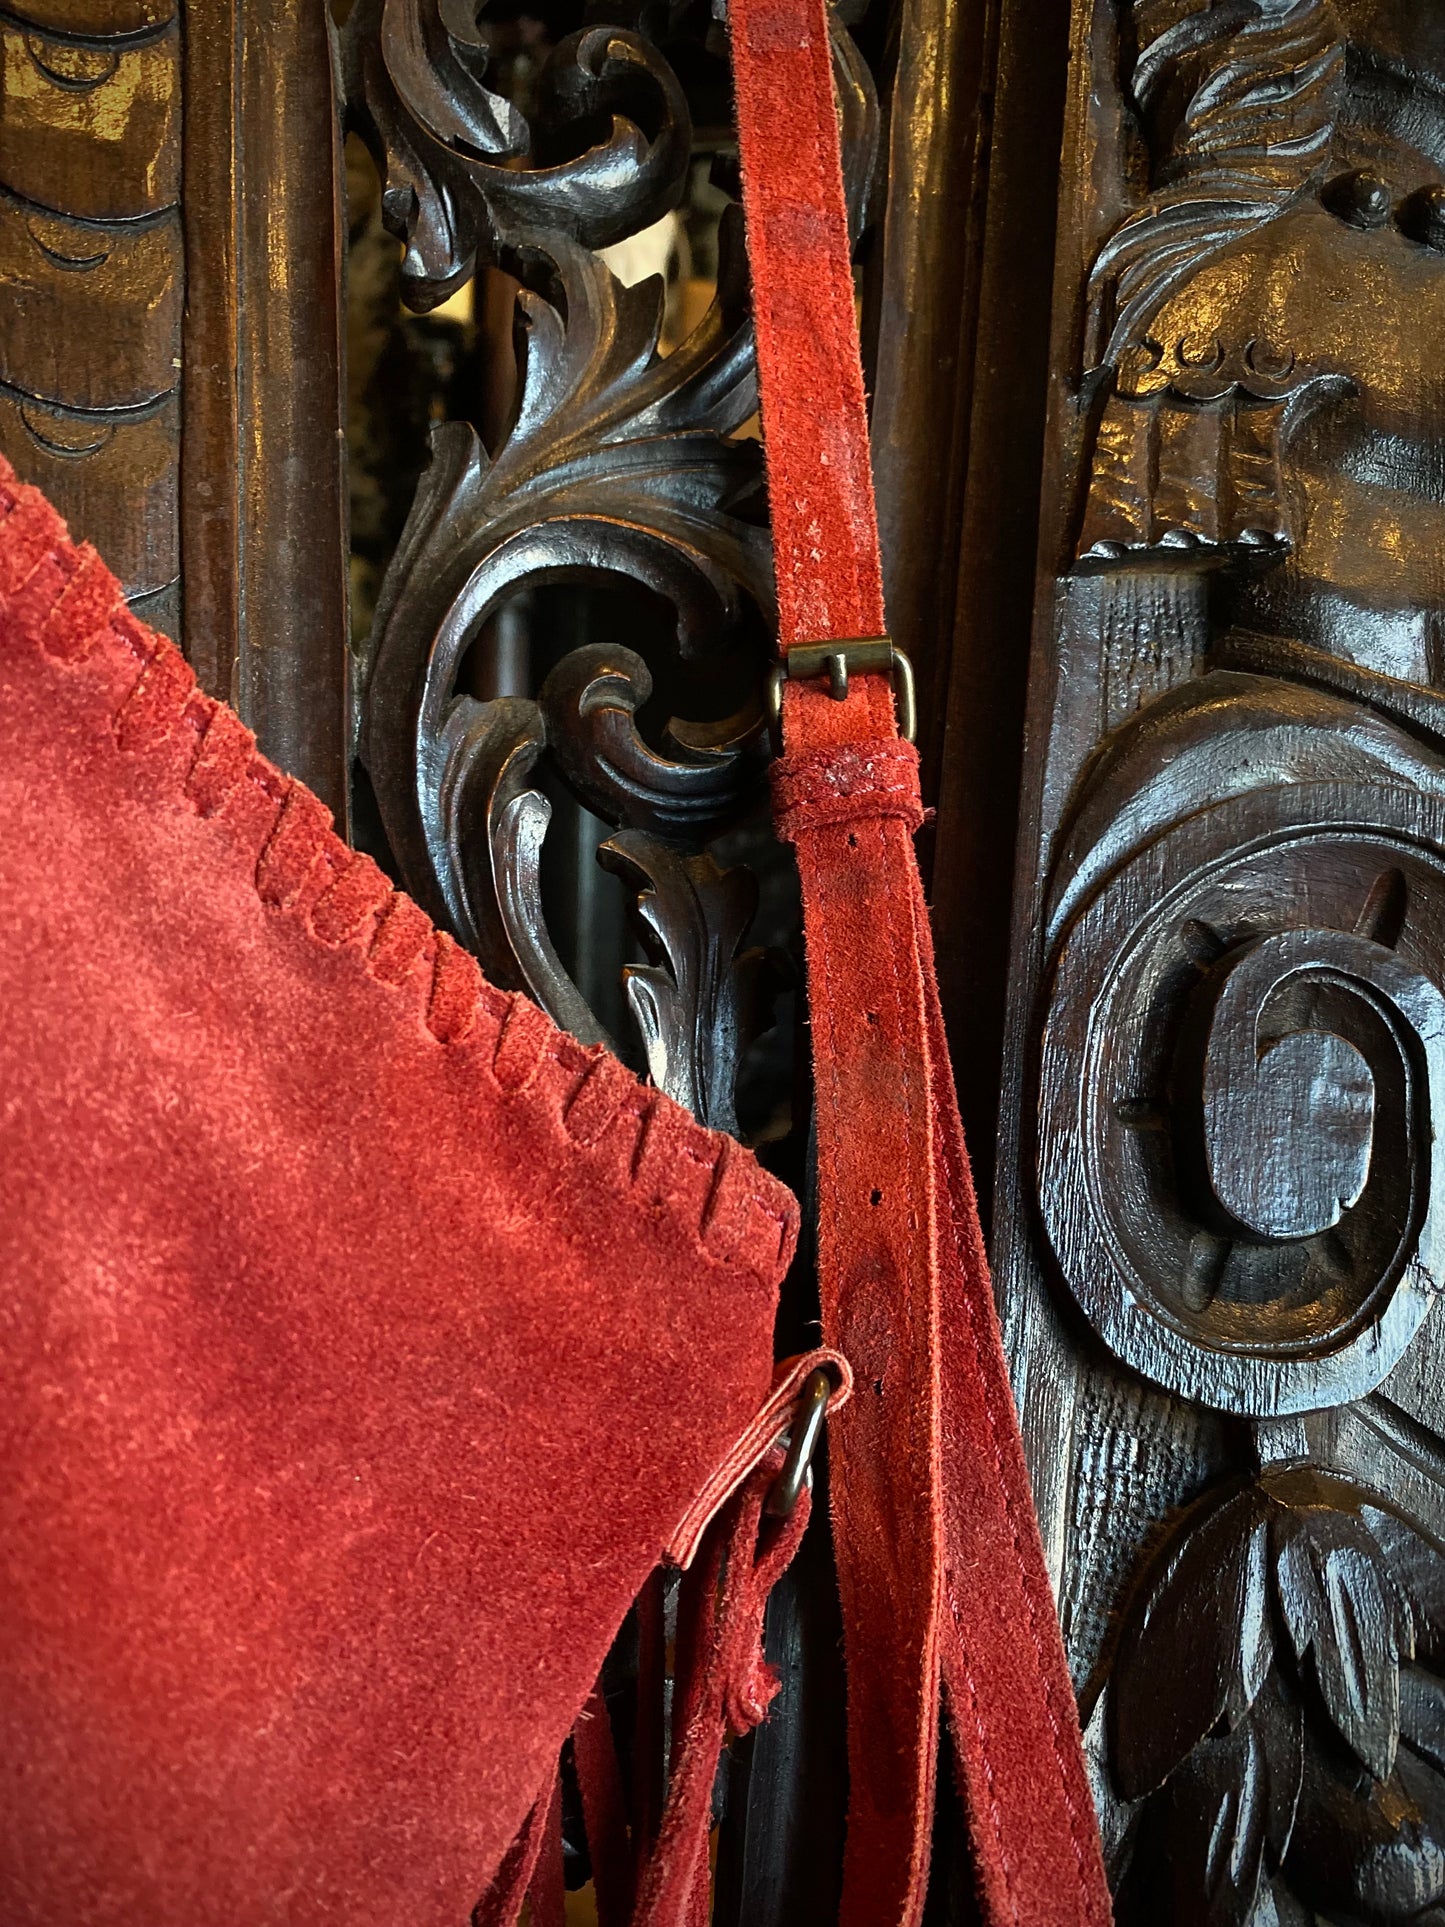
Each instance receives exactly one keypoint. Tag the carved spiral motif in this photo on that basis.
(1237, 1164)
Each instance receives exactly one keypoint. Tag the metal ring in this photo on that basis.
(806, 1430)
(905, 695)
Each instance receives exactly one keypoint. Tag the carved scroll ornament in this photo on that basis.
(1241, 1178)
(617, 461)
(1238, 1169)
(1241, 1033)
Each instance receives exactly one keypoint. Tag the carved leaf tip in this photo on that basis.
(1345, 1617)
(1197, 1648)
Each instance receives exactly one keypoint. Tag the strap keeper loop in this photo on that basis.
(817, 789)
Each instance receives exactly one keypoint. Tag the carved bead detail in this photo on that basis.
(1359, 199)
(1422, 217)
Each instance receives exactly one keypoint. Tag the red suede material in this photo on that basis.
(546, 1891)
(1011, 1708)
(724, 1687)
(815, 421)
(363, 1338)
(940, 1567)
(878, 1273)
(604, 1812)
(507, 1895)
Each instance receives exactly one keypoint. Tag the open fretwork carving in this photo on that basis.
(618, 461)
(1235, 1009)
(618, 464)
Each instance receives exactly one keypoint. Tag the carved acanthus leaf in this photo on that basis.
(695, 1006)
(1280, 1660)
(448, 146)
(618, 460)
(615, 463)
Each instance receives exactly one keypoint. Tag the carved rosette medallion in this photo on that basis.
(1237, 1163)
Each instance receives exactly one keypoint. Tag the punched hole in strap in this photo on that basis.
(838, 661)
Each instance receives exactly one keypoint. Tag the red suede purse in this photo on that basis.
(365, 1341)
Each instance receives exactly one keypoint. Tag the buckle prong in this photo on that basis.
(863, 656)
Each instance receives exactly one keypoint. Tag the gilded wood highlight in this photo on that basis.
(93, 280)
(99, 120)
(92, 314)
(169, 359)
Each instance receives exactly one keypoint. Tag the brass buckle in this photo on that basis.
(807, 1429)
(875, 656)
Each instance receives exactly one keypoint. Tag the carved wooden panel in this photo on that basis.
(1221, 1184)
(1219, 1220)
(169, 330)
(618, 463)
(92, 260)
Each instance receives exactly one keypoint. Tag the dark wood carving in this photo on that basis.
(169, 345)
(618, 461)
(1219, 1220)
(92, 257)
(1220, 1231)
(1276, 1706)
(496, 733)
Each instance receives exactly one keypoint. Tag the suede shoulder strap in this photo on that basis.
(946, 1598)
